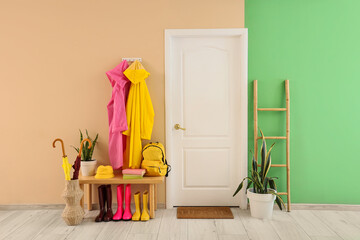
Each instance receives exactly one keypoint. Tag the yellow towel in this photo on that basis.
(104, 172)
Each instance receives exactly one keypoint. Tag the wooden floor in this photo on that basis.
(299, 224)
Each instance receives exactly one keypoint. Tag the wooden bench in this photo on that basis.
(118, 179)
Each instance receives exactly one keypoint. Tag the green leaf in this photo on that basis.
(265, 184)
(263, 154)
(76, 149)
(81, 136)
(93, 146)
(87, 134)
(240, 186)
(257, 181)
(249, 185)
(254, 165)
(273, 186)
(278, 200)
(268, 161)
(83, 157)
(87, 151)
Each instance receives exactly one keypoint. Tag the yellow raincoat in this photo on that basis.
(139, 113)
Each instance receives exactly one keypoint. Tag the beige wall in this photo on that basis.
(53, 59)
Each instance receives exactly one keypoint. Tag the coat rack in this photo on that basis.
(132, 59)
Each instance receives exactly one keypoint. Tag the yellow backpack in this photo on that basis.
(154, 160)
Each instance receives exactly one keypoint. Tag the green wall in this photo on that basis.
(316, 45)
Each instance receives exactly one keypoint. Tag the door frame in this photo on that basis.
(170, 35)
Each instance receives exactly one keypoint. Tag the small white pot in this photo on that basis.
(88, 167)
(261, 205)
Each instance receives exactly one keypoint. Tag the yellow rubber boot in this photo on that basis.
(145, 213)
(136, 215)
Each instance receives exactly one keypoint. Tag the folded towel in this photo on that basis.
(137, 171)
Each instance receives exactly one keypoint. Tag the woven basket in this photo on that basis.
(73, 213)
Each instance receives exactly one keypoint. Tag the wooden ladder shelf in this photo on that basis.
(287, 137)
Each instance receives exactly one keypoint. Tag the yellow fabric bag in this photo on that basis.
(154, 160)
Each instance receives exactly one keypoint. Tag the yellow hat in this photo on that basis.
(104, 172)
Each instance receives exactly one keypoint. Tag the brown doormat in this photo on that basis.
(204, 213)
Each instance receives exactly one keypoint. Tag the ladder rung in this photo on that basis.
(282, 193)
(272, 138)
(271, 109)
(275, 165)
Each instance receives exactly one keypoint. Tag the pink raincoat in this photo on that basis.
(117, 114)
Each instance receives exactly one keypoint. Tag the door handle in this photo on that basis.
(177, 127)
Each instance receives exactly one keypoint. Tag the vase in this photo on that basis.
(73, 213)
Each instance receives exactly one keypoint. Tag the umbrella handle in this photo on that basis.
(62, 145)
(81, 145)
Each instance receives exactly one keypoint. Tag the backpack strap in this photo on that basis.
(168, 169)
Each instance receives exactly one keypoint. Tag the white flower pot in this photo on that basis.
(88, 167)
(261, 205)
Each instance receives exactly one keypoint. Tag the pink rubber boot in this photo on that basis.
(120, 199)
(127, 213)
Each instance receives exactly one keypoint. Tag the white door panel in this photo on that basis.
(195, 173)
(206, 93)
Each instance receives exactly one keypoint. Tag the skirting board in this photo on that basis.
(333, 207)
(294, 206)
(58, 206)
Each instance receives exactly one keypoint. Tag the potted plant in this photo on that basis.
(88, 165)
(263, 191)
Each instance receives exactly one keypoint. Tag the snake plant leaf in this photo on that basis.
(278, 200)
(87, 134)
(254, 165)
(268, 161)
(76, 149)
(93, 146)
(266, 181)
(84, 152)
(240, 186)
(87, 151)
(249, 185)
(273, 186)
(81, 136)
(257, 181)
(262, 153)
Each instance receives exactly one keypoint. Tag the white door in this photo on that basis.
(206, 94)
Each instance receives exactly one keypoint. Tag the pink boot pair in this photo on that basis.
(120, 213)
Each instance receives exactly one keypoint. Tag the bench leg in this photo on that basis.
(155, 196)
(152, 200)
(82, 199)
(89, 197)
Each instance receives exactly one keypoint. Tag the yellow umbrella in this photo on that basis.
(66, 165)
